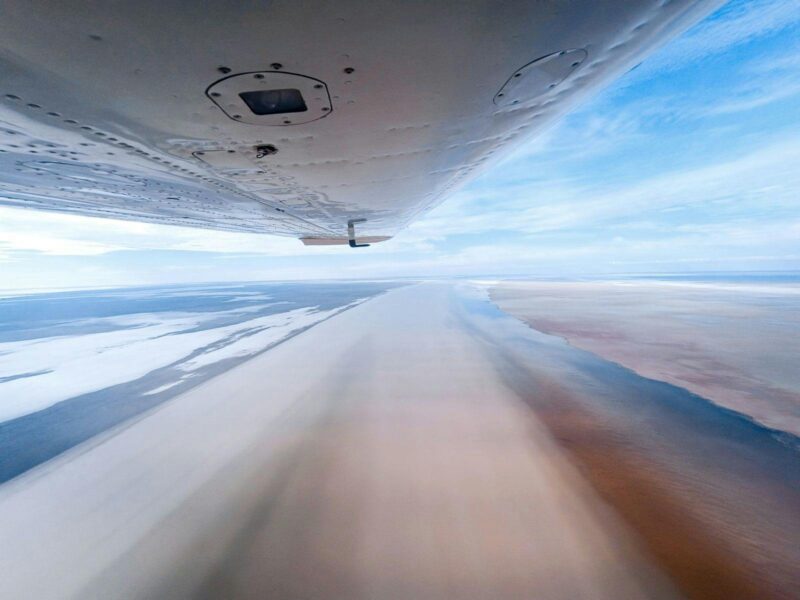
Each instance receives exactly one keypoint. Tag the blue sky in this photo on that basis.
(690, 162)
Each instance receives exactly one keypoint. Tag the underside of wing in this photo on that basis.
(307, 119)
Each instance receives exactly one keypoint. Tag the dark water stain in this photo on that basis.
(24, 375)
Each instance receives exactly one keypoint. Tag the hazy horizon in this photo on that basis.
(775, 276)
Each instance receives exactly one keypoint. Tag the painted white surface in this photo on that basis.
(104, 108)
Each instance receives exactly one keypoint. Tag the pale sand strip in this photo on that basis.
(377, 455)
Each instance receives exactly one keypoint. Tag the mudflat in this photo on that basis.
(737, 345)
(714, 495)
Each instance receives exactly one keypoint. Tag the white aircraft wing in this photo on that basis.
(298, 117)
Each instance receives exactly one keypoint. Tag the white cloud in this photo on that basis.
(766, 174)
(736, 24)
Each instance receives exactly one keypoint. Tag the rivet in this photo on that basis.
(237, 116)
(95, 37)
(258, 76)
(349, 70)
(215, 94)
(287, 122)
(325, 108)
(34, 106)
(276, 66)
(224, 70)
(12, 97)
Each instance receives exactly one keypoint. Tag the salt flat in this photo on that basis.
(74, 364)
(380, 454)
